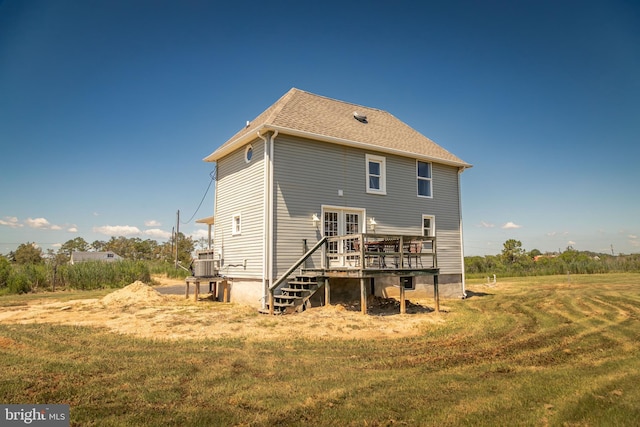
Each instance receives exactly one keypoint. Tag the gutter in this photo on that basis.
(223, 151)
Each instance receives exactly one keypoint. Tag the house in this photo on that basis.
(107, 256)
(311, 167)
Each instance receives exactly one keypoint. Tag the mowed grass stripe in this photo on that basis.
(529, 351)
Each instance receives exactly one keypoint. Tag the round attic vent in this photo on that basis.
(360, 117)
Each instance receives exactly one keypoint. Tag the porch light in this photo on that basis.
(373, 223)
(315, 219)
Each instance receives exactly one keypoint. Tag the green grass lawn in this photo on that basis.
(529, 351)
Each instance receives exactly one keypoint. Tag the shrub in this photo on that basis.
(5, 271)
(18, 283)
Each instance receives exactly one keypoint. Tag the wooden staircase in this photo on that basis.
(294, 295)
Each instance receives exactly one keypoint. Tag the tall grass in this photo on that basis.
(168, 269)
(572, 262)
(96, 274)
(84, 276)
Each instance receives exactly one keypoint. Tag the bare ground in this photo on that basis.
(141, 311)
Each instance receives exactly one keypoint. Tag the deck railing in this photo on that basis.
(380, 252)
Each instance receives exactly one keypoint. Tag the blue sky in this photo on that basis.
(108, 107)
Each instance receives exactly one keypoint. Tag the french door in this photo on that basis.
(342, 222)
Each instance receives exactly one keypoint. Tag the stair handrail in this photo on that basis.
(298, 263)
(293, 268)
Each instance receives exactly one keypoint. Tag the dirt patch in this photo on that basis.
(135, 293)
(140, 310)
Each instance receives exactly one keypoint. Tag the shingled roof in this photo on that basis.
(307, 115)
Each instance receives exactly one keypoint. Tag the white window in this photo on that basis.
(236, 224)
(428, 225)
(248, 153)
(429, 230)
(339, 222)
(376, 174)
(424, 179)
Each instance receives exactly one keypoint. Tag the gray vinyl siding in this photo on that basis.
(308, 175)
(240, 190)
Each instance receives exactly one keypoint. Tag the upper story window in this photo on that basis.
(424, 179)
(248, 153)
(376, 174)
(236, 224)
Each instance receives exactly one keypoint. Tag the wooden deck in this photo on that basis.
(366, 256)
(375, 255)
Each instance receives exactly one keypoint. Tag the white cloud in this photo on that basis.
(484, 224)
(152, 223)
(158, 233)
(200, 234)
(73, 229)
(57, 245)
(511, 225)
(633, 236)
(571, 243)
(37, 222)
(117, 230)
(552, 234)
(56, 227)
(11, 221)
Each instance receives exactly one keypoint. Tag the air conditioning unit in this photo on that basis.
(206, 265)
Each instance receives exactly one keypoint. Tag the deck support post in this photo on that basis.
(403, 303)
(271, 301)
(363, 295)
(436, 293)
(225, 291)
(327, 292)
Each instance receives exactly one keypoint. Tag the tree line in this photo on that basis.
(28, 268)
(514, 260)
(134, 249)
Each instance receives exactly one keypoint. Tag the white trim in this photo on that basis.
(243, 139)
(265, 215)
(433, 224)
(464, 290)
(342, 210)
(248, 148)
(236, 226)
(430, 180)
(371, 158)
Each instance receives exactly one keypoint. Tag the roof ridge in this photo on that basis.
(339, 100)
(302, 113)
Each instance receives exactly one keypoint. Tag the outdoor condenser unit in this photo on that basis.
(206, 265)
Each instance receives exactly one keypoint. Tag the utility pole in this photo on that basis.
(177, 236)
(173, 241)
(612, 250)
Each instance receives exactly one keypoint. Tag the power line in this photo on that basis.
(212, 175)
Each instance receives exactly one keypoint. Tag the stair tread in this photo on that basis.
(282, 304)
(289, 297)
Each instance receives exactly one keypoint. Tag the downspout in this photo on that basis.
(265, 202)
(270, 195)
(464, 291)
(267, 229)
